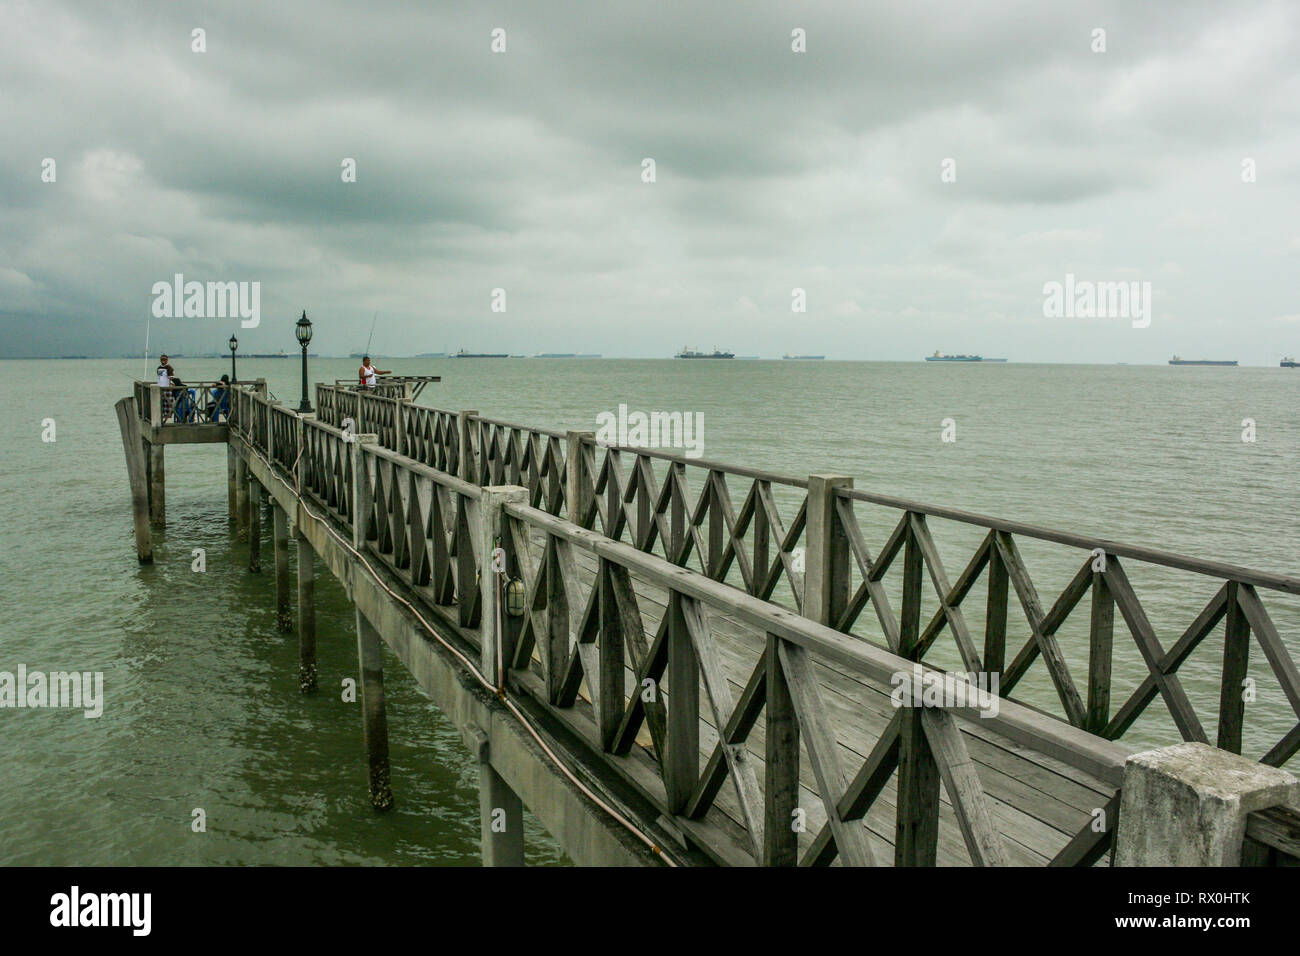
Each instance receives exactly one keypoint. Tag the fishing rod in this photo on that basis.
(372, 332)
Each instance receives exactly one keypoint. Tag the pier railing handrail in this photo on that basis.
(611, 639)
(821, 565)
(1043, 733)
(437, 524)
(1170, 559)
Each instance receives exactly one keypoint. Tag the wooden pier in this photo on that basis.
(665, 679)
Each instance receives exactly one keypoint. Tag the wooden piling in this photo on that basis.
(241, 497)
(374, 722)
(232, 489)
(129, 423)
(280, 542)
(306, 615)
(157, 486)
(254, 526)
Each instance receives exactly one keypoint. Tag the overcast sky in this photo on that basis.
(775, 170)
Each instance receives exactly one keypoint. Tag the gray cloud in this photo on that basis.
(775, 170)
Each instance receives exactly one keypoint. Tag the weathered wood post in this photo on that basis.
(280, 541)
(494, 575)
(254, 525)
(157, 485)
(306, 614)
(826, 568)
(577, 485)
(916, 835)
(400, 408)
(781, 790)
(232, 491)
(682, 750)
(466, 467)
(501, 812)
(241, 497)
(370, 659)
(1101, 640)
(1236, 668)
(717, 547)
(676, 511)
(1186, 805)
(129, 423)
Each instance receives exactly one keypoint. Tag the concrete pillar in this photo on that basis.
(1186, 805)
(577, 493)
(280, 541)
(373, 719)
(501, 812)
(494, 575)
(241, 497)
(232, 487)
(466, 468)
(128, 421)
(157, 486)
(826, 568)
(254, 525)
(306, 615)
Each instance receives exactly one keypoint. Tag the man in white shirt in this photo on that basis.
(368, 373)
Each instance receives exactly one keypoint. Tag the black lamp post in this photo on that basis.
(303, 332)
(234, 344)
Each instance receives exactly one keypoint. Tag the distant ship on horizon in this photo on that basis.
(940, 357)
(803, 358)
(1290, 362)
(689, 353)
(463, 354)
(1177, 360)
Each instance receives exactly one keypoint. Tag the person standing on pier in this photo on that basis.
(367, 373)
(165, 375)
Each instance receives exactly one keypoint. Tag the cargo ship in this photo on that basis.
(1176, 360)
(804, 358)
(688, 352)
(463, 354)
(940, 357)
(1290, 362)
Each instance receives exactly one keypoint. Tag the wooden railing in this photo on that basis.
(193, 403)
(594, 627)
(683, 510)
(807, 585)
(858, 579)
(1272, 838)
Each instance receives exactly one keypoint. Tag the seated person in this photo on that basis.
(219, 407)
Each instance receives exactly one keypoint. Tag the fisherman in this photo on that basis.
(220, 404)
(165, 375)
(368, 372)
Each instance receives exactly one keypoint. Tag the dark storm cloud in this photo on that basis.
(522, 170)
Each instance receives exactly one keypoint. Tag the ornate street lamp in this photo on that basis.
(302, 330)
(234, 344)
